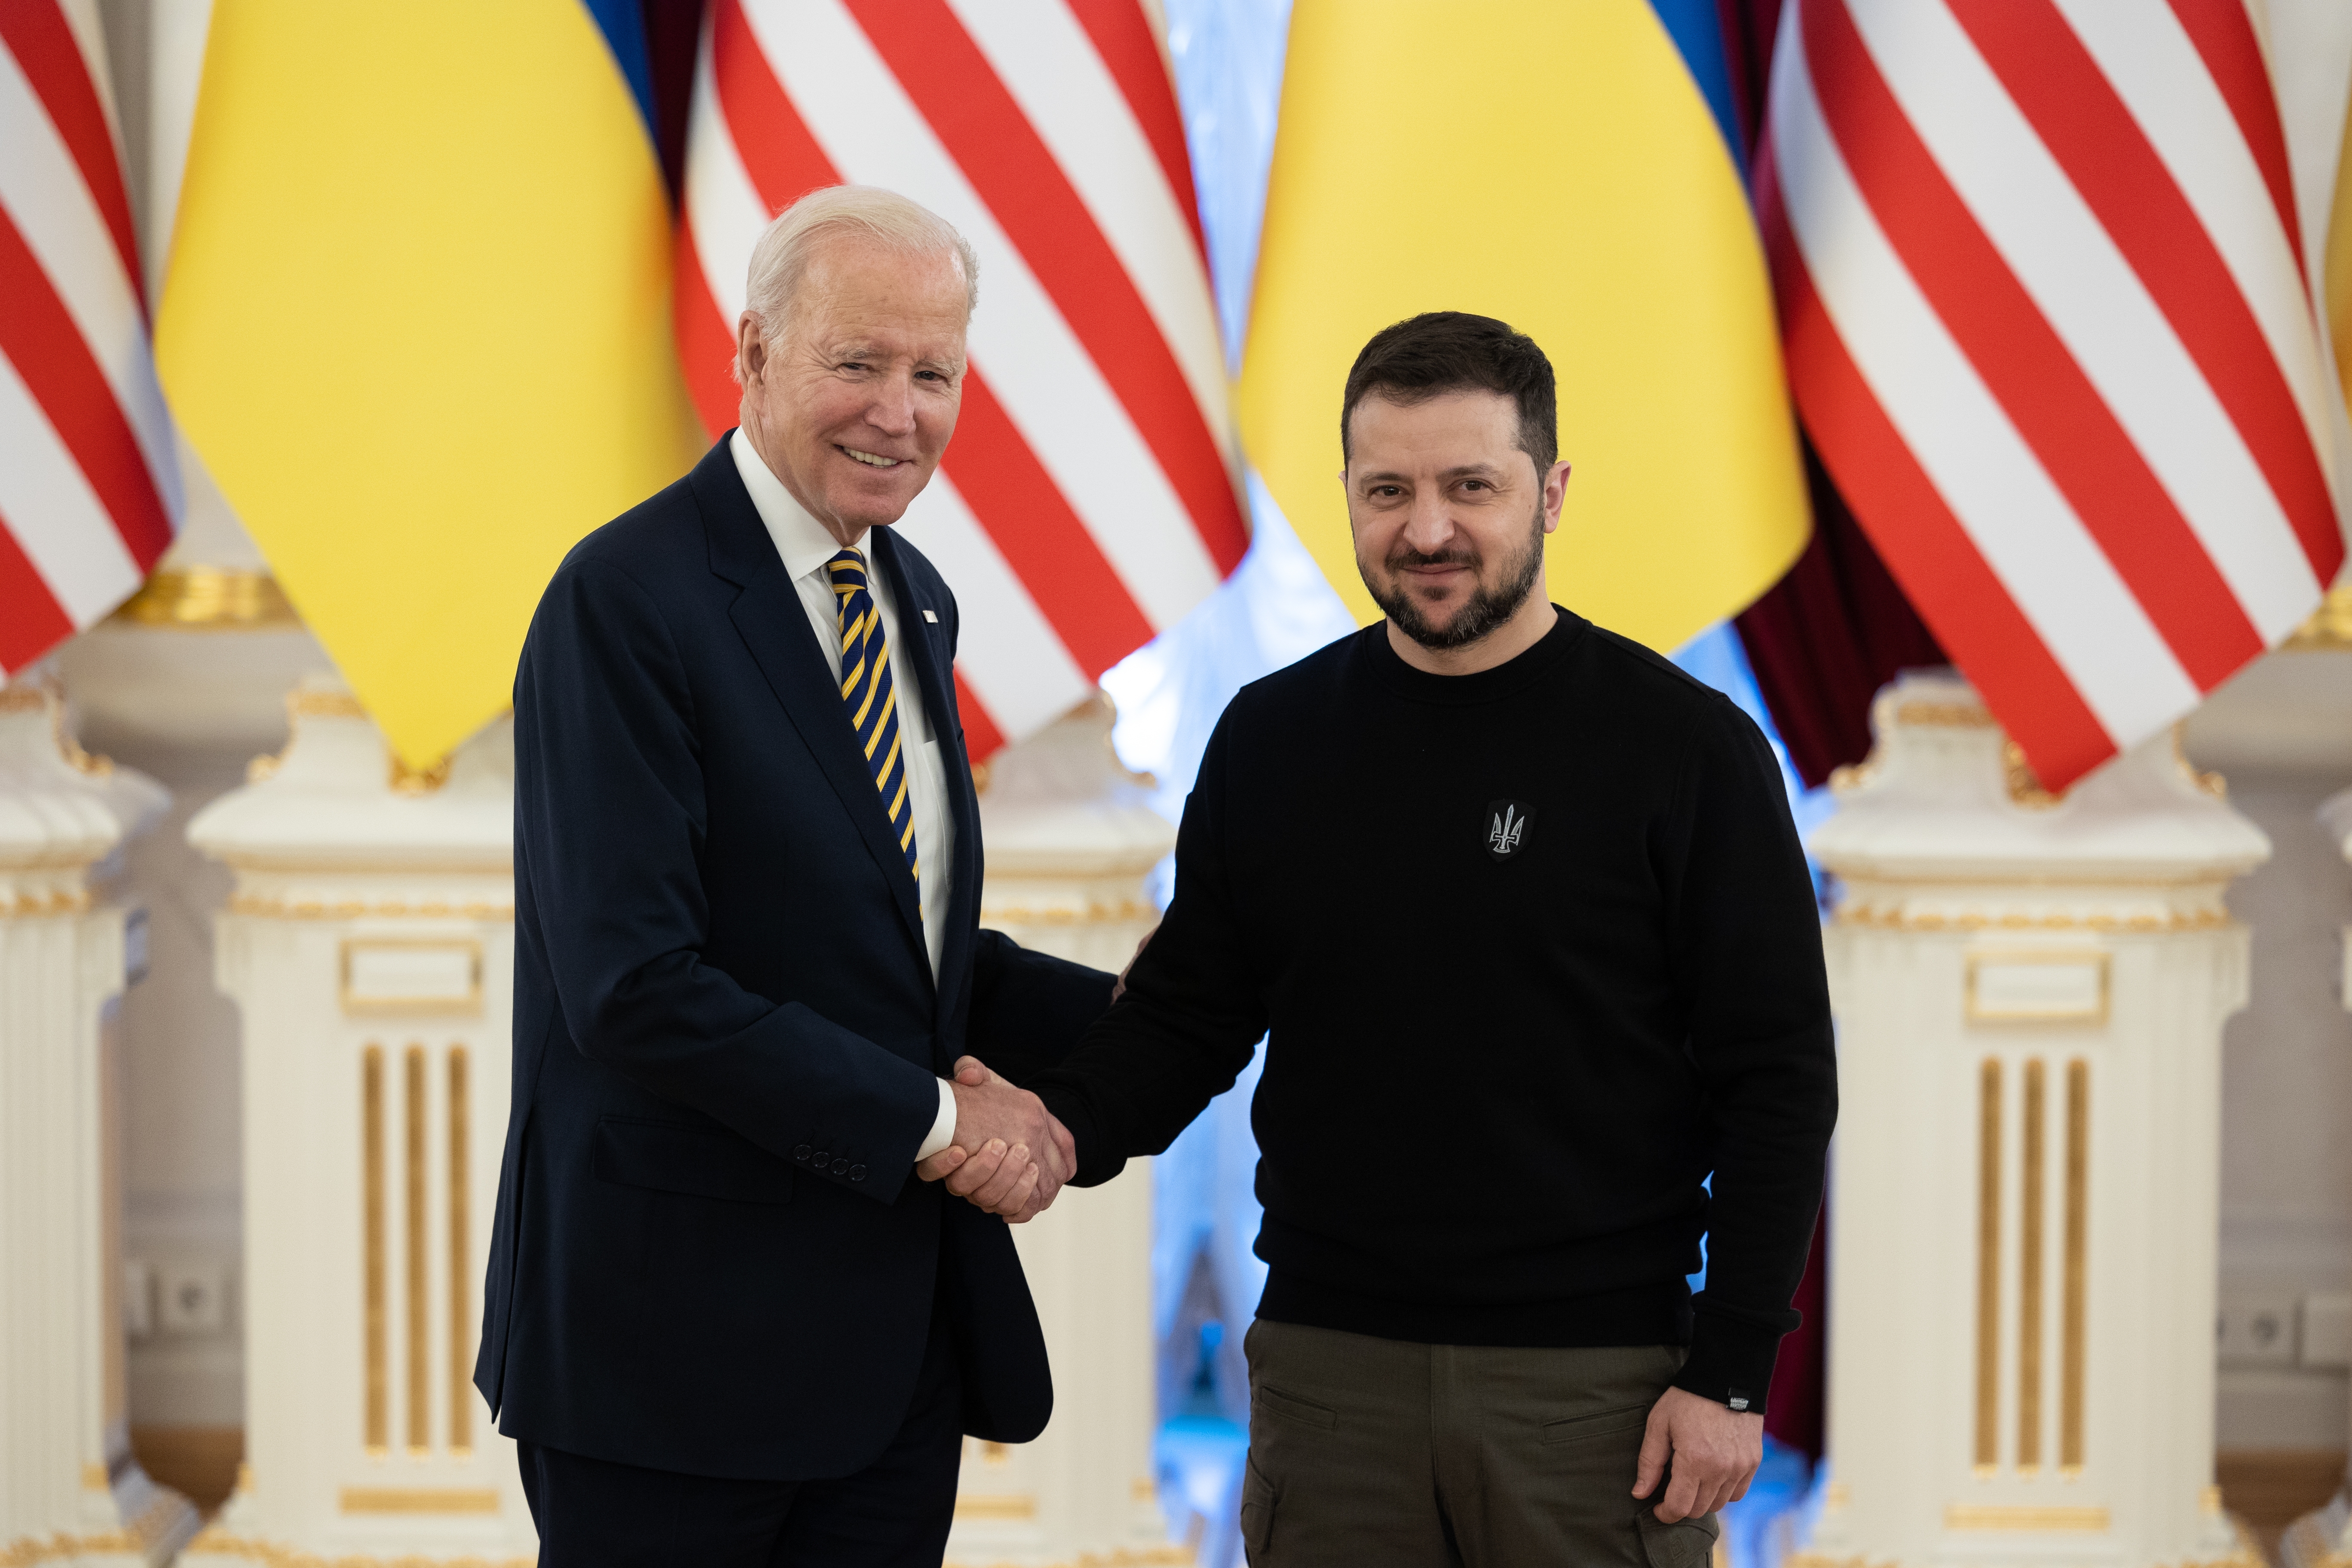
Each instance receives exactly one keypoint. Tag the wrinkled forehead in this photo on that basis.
(865, 295)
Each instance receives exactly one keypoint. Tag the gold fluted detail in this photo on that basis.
(420, 1371)
(2029, 1273)
(377, 1427)
(2074, 1320)
(461, 1402)
(1988, 1422)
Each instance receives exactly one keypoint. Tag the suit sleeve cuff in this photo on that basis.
(1730, 1361)
(943, 1126)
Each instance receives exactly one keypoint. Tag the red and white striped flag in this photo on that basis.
(2041, 286)
(1089, 498)
(90, 486)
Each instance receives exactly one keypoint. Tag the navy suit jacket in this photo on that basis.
(710, 1254)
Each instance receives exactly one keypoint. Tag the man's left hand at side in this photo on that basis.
(1010, 1155)
(1715, 1451)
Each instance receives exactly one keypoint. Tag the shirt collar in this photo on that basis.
(801, 539)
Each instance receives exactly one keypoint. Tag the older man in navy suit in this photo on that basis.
(732, 1315)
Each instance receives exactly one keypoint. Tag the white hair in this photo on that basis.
(788, 247)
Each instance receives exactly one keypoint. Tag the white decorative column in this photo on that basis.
(70, 1490)
(2322, 1538)
(2029, 995)
(369, 947)
(1069, 841)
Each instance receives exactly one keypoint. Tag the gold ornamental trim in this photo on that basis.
(33, 700)
(2327, 629)
(1978, 1011)
(219, 1542)
(64, 901)
(465, 1004)
(995, 1505)
(2042, 1521)
(1119, 1557)
(1919, 711)
(26, 1550)
(269, 907)
(135, 1538)
(210, 599)
(2024, 784)
(417, 1499)
(406, 780)
(1864, 913)
(1095, 912)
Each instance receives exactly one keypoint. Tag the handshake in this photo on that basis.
(1010, 1155)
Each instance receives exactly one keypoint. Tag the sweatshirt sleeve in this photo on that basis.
(1189, 1019)
(1744, 934)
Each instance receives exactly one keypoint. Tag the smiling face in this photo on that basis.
(852, 405)
(1449, 516)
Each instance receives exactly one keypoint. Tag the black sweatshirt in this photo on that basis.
(1538, 951)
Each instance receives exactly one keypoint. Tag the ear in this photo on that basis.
(1555, 491)
(751, 349)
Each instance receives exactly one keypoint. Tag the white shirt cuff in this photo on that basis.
(943, 1128)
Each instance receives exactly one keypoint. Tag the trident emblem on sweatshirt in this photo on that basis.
(1506, 827)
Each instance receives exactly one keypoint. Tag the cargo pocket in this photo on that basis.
(1257, 1512)
(1685, 1544)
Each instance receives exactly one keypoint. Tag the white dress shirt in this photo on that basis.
(805, 547)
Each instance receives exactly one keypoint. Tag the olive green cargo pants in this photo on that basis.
(1368, 1451)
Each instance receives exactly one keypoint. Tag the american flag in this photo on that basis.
(1089, 498)
(2047, 317)
(90, 485)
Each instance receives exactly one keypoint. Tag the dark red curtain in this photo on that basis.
(673, 33)
(1822, 642)
(1836, 628)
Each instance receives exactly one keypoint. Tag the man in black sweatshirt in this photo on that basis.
(1520, 909)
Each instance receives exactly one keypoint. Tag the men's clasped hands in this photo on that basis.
(1010, 1155)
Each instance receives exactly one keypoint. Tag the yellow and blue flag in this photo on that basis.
(1573, 170)
(417, 322)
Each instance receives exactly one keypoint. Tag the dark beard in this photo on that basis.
(1488, 607)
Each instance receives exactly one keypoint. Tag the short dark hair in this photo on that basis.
(1439, 352)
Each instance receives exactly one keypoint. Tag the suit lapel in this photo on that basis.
(775, 628)
(927, 646)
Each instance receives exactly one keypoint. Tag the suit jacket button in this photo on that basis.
(802, 1153)
(840, 1167)
(856, 1172)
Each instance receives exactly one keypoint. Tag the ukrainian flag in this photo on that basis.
(417, 322)
(1570, 167)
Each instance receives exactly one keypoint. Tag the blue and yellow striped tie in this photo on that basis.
(873, 702)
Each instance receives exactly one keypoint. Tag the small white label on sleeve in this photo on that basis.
(932, 617)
